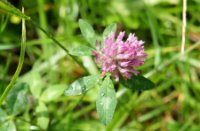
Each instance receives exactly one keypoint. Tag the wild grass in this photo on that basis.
(174, 103)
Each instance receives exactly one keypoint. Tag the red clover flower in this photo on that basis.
(120, 57)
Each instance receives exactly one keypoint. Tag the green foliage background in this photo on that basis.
(174, 103)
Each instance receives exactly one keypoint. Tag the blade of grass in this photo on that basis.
(168, 62)
(10, 9)
(4, 21)
(43, 24)
(5, 72)
(21, 60)
(152, 24)
(183, 26)
(153, 113)
(8, 46)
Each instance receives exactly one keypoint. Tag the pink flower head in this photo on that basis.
(120, 57)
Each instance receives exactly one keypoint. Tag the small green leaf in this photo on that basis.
(17, 100)
(109, 29)
(25, 124)
(9, 8)
(137, 83)
(34, 79)
(106, 101)
(7, 126)
(82, 85)
(52, 92)
(5, 123)
(3, 115)
(88, 32)
(42, 116)
(81, 50)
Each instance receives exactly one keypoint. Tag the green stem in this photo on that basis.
(153, 29)
(59, 44)
(19, 67)
(5, 72)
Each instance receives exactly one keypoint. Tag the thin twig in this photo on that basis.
(183, 26)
